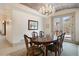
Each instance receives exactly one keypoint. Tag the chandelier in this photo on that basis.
(47, 9)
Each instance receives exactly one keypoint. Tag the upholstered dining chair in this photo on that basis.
(62, 40)
(34, 34)
(55, 47)
(32, 50)
(41, 34)
(60, 43)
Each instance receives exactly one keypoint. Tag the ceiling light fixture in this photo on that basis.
(47, 9)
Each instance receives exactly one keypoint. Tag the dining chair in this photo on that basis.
(41, 34)
(55, 47)
(60, 43)
(34, 34)
(62, 40)
(31, 49)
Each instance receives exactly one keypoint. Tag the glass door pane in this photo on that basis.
(67, 27)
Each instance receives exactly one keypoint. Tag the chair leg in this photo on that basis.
(59, 52)
(62, 48)
(55, 52)
(43, 53)
(26, 54)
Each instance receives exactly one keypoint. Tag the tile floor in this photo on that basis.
(69, 49)
(6, 48)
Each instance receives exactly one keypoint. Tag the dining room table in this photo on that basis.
(45, 41)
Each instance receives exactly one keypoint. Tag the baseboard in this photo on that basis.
(15, 43)
(8, 42)
(18, 43)
(74, 42)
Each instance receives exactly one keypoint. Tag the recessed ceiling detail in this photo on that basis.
(58, 6)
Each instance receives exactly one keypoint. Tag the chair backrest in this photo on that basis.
(63, 35)
(34, 34)
(59, 38)
(59, 41)
(27, 41)
(41, 34)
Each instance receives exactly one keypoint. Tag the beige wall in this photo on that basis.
(18, 24)
(77, 25)
(20, 19)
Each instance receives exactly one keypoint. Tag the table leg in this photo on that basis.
(46, 51)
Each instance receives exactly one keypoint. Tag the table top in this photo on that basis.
(42, 40)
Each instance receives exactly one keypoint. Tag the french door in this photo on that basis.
(65, 23)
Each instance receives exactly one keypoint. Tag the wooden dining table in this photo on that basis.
(44, 41)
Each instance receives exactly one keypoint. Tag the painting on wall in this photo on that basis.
(32, 25)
